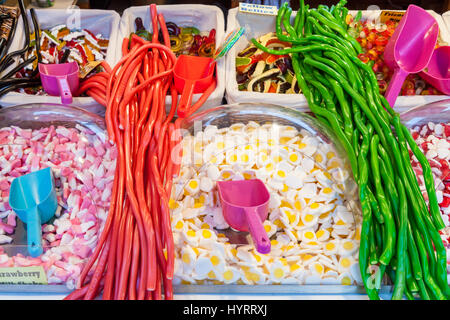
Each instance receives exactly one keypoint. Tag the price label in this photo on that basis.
(395, 16)
(258, 9)
(23, 275)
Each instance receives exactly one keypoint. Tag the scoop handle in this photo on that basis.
(257, 231)
(34, 233)
(64, 90)
(186, 99)
(395, 85)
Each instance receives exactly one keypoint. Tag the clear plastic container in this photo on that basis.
(73, 142)
(436, 112)
(209, 152)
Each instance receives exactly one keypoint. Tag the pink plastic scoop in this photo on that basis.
(410, 48)
(437, 73)
(245, 205)
(60, 79)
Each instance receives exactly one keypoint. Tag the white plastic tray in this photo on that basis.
(257, 25)
(105, 22)
(203, 17)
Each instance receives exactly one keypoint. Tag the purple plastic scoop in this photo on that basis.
(437, 73)
(410, 48)
(60, 79)
(245, 205)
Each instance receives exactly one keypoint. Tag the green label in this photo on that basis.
(23, 275)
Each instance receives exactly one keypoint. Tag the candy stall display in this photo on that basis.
(313, 223)
(193, 29)
(358, 194)
(73, 144)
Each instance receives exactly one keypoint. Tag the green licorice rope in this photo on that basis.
(328, 100)
(375, 208)
(279, 21)
(373, 255)
(434, 289)
(420, 202)
(328, 36)
(423, 291)
(358, 98)
(411, 283)
(345, 108)
(328, 115)
(315, 55)
(286, 23)
(352, 74)
(355, 142)
(384, 155)
(402, 243)
(388, 251)
(336, 26)
(364, 246)
(428, 178)
(414, 254)
(389, 185)
(300, 19)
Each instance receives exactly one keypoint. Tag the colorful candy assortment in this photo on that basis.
(373, 37)
(258, 71)
(183, 40)
(84, 47)
(314, 236)
(434, 141)
(83, 166)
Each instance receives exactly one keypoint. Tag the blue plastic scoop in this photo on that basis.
(33, 199)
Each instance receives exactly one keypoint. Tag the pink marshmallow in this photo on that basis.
(82, 250)
(7, 228)
(12, 219)
(4, 185)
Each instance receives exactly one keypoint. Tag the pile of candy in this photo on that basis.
(258, 71)
(82, 45)
(314, 236)
(83, 166)
(373, 37)
(434, 141)
(183, 40)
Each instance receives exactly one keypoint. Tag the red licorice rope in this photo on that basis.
(134, 258)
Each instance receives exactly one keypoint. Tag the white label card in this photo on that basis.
(257, 8)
